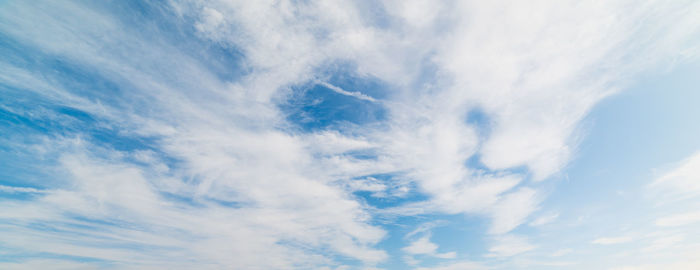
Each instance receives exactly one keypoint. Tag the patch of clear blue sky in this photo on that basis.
(653, 123)
(315, 107)
(312, 106)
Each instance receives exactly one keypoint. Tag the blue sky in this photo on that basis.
(349, 135)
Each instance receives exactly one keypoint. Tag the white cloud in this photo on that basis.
(664, 242)
(535, 96)
(9, 189)
(355, 94)
(683, 180)
(456, 266)
(612, 240)
(123, 195)
(544, 219)
(562, 252)
(513, 209)
(686, 265)
(509, 245)
(368, 184)
(47, 264)
(535, 79)
(676, 220)
(665, 252)
(425, 228)
(423, 246)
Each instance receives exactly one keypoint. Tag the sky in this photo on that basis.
(413, 134)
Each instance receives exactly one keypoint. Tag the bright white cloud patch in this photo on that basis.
(683, 180)
(306, 134)
(423, 246)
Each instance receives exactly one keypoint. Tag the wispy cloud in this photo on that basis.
(9, 189)
(678, 219)
(456, 266)
(683, 180)
(509, 245)
(562, 252)
(613, 240)
(544, 219)
(355, 94)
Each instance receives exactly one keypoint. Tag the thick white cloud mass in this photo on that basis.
(232, 185)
